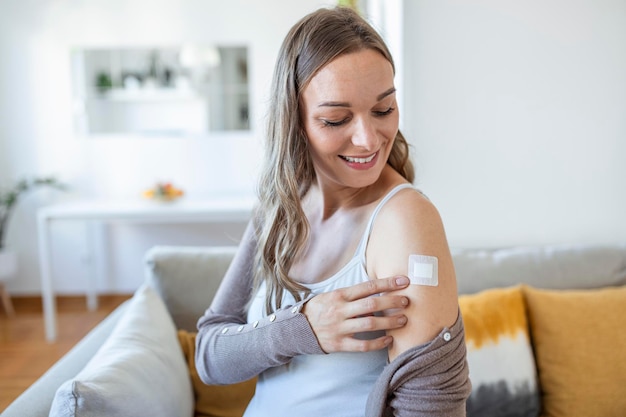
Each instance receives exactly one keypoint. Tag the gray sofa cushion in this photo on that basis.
(140, 370)
(187, 278)
(550, 267)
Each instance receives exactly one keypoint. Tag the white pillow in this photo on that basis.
(139, 371)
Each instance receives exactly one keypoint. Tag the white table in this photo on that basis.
(97, 213)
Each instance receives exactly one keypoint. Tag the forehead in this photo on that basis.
(365, 72)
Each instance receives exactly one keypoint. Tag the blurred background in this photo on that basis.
(516, 112)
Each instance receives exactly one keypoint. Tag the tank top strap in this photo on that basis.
(360, 251)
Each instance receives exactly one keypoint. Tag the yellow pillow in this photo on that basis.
(579, 338)
(214, 400)
(500, 358)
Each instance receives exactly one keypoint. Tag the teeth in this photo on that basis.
(359, 160)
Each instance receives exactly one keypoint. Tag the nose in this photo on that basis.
(364, 134)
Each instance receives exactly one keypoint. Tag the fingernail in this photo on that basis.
(402, 320)
(401, 281)
(405, 301)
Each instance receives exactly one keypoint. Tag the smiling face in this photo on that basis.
(350, 118)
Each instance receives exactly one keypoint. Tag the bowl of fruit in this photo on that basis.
(163, 192)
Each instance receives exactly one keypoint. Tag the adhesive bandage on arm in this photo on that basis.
(423, 270)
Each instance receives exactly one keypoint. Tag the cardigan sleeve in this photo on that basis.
(230, 350)
(428, 380)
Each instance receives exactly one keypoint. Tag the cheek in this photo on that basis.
(390, 129)
(322, 141)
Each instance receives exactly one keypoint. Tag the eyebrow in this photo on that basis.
(347, 104)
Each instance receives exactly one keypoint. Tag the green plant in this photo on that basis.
(10, 197)
(103, 82)
(353, 4)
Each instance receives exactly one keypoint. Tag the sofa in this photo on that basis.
(544, 335)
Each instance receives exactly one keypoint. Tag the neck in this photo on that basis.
(324, 200)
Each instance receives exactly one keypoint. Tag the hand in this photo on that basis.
(337, 315)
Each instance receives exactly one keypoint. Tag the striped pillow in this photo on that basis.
(500, 357)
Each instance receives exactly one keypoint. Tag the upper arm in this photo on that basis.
(236, 286)
(410, 224)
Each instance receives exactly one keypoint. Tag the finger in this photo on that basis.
(360, 345)
(374, 304)
(375, 286)
(374, 323)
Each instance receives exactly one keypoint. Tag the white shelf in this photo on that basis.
(149, 95)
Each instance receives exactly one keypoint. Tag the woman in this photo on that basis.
(316, 302)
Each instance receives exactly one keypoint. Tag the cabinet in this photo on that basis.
(187, 90)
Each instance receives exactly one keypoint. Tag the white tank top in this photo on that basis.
(335, 384)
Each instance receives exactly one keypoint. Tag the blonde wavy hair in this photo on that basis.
(281, 227)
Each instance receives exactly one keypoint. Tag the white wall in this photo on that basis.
(517, 111)
(36, 127)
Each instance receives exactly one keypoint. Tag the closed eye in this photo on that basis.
(384, 112)
(332, 123)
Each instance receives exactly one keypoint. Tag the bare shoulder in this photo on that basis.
(410, 224)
